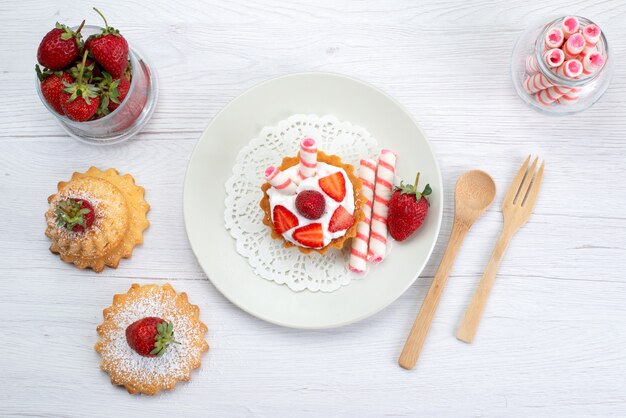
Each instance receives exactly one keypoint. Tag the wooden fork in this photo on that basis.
(516, 209)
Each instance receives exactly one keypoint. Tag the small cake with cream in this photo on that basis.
(312, 201)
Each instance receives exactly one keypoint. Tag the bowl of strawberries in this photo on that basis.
(99, 89)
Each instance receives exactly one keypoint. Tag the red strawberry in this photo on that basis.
(79, 109)
(310, 235)
(122, 91)
(80, 100)
(75, 214)
(407, 210)
(334, 186)
(52, 86)
(109, 48)
(60, 47)
(150, 336)
(311, 204)
(283, 219)
(90, 73)
(341, 219)
(112, 92)
(96, 70)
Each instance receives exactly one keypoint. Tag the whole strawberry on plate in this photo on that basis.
(60, 47)
(407, 209)
(52, 85)
(79, 100)
(109, 48)
(150, 336)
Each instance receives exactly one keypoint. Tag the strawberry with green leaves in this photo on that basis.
(52, 85)
(109, 48)
(90, 72)
(407, 209)
(75, 215)
(79, 100)
(60, 47)
(150, 336)
(112, 92)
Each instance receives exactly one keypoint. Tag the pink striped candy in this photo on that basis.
(591, 33)
(279, 180)
(568, 99)
(537, 82)
(552, 94)
(554, 38)
(382, 193)
(558, 94)
(554, 57)
(570, 26)
(574, 46)
(570, 69)
(531, 65)
(308, 158)
(360, 243)
(592, 63)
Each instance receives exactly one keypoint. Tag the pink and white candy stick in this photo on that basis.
(279, 180)
(536, 82)
(568, 99)
(552, 94)
(554, 57)
(308, 158)
(383, 190)
(570, 69)
(570, 26)
(592, 63)
(531, 65)
(591, 33)
(554, 38)
(574, 46)
(358, 253)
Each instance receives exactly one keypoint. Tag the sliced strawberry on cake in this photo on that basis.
(334, 186)
(284, 220)
(341, 219)
(311, 235)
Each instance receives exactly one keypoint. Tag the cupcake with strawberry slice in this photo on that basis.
(312, 201)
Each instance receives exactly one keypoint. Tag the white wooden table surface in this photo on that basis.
(553, 336)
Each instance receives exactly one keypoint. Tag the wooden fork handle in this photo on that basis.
(469, 324)
(419, 331)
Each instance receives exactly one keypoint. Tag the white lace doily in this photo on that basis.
(243, 215)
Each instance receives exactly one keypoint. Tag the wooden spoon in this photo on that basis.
(475, 190)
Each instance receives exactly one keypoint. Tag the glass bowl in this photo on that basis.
(588, 88)
(130, 116)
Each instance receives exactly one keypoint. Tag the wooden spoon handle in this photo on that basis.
(473, 314)
(417, 336)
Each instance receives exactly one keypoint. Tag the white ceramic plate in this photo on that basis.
(211, 164)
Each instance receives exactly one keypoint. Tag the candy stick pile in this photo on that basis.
(571, 53)
(370, 244)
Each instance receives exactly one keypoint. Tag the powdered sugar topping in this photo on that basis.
(120, 359)
(75, 194)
